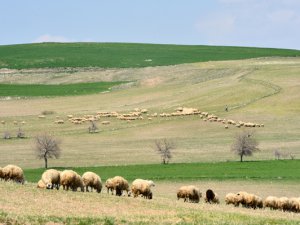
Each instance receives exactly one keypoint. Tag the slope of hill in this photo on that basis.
(123, 55)
(263, 91)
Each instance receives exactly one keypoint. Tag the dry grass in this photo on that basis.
(207, 86)
(27, 201)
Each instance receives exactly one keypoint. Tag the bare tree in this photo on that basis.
(244, 144)
(47, 146)
(277, 154)
(6, 135)
(93, 128)
(163, 147)
(20, 133)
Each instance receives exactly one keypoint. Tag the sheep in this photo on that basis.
(71, 179)
(13, 172)
(190, 192)
(271, 202)
(92, 180)
(78, 183)
(284, 204)
(212, 197)
(41, 185)
(109, 186)
(51, 178)
(142, 187)
(249, 200)
(231, 198)
(118, 184)
(294, 204)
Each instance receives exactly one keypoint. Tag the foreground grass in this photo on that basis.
(122, 55)
(25, 204)
(31, 90)
(255, 170)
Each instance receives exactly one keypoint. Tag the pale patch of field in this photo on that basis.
(207, 86)
(28, 201)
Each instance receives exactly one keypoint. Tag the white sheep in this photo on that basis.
(142, 187)
(71, 179)
(13, 172)
(92, 180)
(51, 178)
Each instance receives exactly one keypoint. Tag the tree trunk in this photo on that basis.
(46, 162)
(242, 157)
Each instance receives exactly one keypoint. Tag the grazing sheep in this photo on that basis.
(51, 178)
(190, 192)
(271, 202)
(284, 204)
(117, 183)
(249, 200)
(120, 185)
(231, 198)
(109, 186)
(41, 185)
(211, 197)
(71, 179)
(78, 183)
(294, 204)
(13, 172)
(142, 187)
(92, 180)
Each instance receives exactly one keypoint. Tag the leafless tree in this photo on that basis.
(20, 133)
(277, 154)
(47, 146)
(6, 135)
(93, 128)
(163, 147)
(244, 144)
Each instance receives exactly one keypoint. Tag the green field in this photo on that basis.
(122, 55)
(262, 90)
(33, 90)
(285, 170)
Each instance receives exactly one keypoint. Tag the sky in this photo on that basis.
(257, 23)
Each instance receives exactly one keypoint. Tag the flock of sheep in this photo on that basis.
(70, 180)
(253, 201)
(139, 114)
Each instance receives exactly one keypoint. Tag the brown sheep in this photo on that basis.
(211, 197)
(271, 202)
(118, 184)
(142, 187)
(231, 198)
(109, 186)
(51, 178)
(41, 185)
(190, 192)
(92, 180)
(284, 204)
(294, 204)
(249, 200)
(71, 179)
(13, 172)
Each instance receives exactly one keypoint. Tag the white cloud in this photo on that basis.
(51, 38)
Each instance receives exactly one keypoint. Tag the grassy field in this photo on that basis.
(285, 170)
(27, 204)
(264, 91)
(33, 90)
(122, 55)
(161, 79)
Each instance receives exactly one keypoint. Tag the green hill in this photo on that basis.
(123, 55)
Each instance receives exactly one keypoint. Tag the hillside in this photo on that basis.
(263, 91)
(124, 55)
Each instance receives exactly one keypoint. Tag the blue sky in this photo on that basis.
(260, 23)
